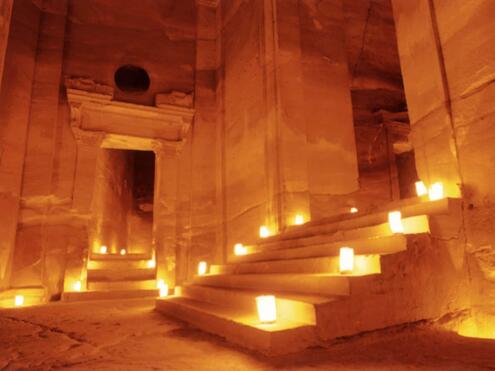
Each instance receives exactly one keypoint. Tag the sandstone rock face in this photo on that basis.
(448, 93)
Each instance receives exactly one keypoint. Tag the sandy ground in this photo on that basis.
(129, 335)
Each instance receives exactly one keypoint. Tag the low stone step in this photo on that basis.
(31, 296)
(122, 285)
(118, 257)
(363, 264)
(318, 284)
(108, 295)
(353, 221)
(283, 337)
(118, 264)
(412, 225)
(289, 306)
(95, 275)
(366, 246)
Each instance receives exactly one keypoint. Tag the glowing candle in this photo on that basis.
(163, 288)
(202, 268)
(103, 250)
(264, 232)
(240, 249)
(421, 188)
(77, 286)
(346, 259)
(353, 210)
(395, 222)
(267, 309)
(123, 251)
(436, 191)
(151, 263)
(164, 291)
(298, 219)
(19, 300)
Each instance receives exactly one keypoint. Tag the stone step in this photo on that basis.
(318, 284)
(363, 264)
(122, 285)
(368, 246)
(282, 337)
(289, 306)
(353, 221)
(95, 275)
(412, 225)
(118, 257)
(31, 296)
(118, 264)
(108, 295)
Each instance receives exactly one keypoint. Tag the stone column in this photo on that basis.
(82, 241)
(332, 157)
(287, 172)
(15, 102)
(165, 211)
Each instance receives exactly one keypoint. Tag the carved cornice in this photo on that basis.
(96, 119)
(167, 149)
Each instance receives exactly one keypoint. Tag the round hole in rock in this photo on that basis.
(132, 79)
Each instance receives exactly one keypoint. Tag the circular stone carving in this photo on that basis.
(131, 78)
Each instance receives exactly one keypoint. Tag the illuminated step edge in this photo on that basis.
(412, 225)
(283, 337)
(289, 306)
(108, 295)
(319, 284)
(32, 296)
(366, 246)
(118, 257)
(121, 275)
(118, 264)
(363, 264)
(325, 226)
(122, 285)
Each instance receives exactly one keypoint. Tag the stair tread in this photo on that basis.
(247, 319)
(307, 298)
(108, 294)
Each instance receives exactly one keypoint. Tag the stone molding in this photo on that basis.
(96, 119)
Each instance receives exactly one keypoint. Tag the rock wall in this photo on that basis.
(447, 63)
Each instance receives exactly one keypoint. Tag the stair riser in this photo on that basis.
(121, 275)
(385, 245)
(246, 303)
(363, 264)
(269, 343)
(122, 285)
(117, 264)
(412, 225)
(118, 257)
(319, 285)
(108, 295)
(408, 208)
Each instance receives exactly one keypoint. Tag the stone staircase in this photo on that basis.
(114, 276)
(391, 282)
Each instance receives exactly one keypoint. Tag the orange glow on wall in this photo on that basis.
(435, 192)
(240, 249)
(395, 222)
(264, 231)
(202, 268)
(19, 300)
(421, 189)
(346, 260)
(267, 309)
